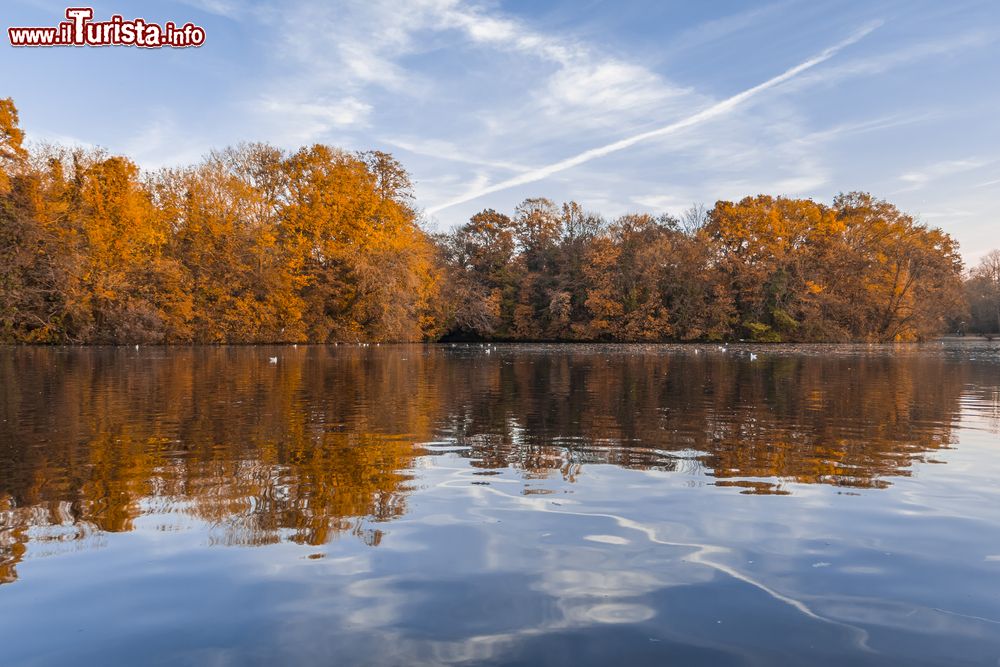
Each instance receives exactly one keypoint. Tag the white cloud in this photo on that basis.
(309, 121)
(606, 89)
(664, 203)
(355, 50)
(947, 214)
(446, 150)
(161, 143)
(812, 139)
(880, 63)
(716, 29)
(43, 137)
(218, 7)
(917, 179)
(479, 97)
(716, 110)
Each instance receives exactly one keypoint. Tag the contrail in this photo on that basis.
(718, 109)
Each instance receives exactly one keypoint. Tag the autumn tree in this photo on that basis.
(568, 301)
(135, 293)
(626, 300)
(771, 253)
(764, 268)
(365, 268)
(18, 230)
(983, 292)
(482, 273)
(257, 244)
(12, 152)
(860, 269)
(908, 276)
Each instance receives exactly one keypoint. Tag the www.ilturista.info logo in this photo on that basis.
(80, 30)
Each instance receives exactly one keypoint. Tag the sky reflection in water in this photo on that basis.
(460, 504)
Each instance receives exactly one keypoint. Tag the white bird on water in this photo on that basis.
(753, 356)
(273, 360)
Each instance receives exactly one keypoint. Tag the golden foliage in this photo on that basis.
(252, 245)
(255, 244)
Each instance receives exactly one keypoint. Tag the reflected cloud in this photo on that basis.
(328, 444)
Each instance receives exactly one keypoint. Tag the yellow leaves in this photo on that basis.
(12, 153)
(259, 245)
(605, 307)
(493, 303)
(252, 245)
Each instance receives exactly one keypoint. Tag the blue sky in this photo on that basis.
(487, 103)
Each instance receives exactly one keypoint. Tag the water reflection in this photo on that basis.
(851, 421)
(326, 441)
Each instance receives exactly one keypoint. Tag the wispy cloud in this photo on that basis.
(476, 96)
(879, 63)
(318, 118)
(915, 180)
(41, 138)
(659, 203)
(847, 129)
(356, 51)
(947, 214)
(716, 110)
(161, 142)
(218, 7)
(713, 30)
(448, 151)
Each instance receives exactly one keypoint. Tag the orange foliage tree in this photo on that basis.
(256, 244)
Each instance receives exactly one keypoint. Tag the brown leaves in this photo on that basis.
(255, 244)
(765, 268)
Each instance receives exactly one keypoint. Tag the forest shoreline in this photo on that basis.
(258, 244)
(736, 344)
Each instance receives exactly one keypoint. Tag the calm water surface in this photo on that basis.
(463, 504)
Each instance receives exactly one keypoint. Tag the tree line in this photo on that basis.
(256, 244)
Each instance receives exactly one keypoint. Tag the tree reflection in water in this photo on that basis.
(325, 442)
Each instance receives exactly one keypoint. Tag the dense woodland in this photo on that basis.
(257, 244)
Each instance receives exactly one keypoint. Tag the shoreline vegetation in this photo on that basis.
(255, 244)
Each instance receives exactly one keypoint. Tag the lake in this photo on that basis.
(492, 504)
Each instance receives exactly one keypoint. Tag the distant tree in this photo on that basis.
(983, 292)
